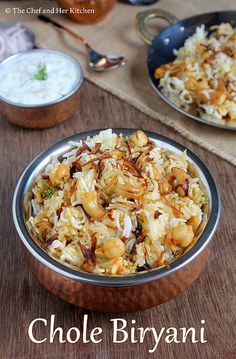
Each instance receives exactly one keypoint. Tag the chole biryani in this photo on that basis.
(202, 78)
(116, 205)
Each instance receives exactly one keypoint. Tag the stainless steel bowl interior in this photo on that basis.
(38, 165)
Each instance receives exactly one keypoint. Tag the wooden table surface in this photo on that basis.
(22, 299)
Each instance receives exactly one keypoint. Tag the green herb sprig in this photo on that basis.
(42, 74)
(50, 191)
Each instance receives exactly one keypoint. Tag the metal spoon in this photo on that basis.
(97, 61)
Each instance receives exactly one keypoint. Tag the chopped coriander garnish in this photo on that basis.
(49, 192)
(42, 74)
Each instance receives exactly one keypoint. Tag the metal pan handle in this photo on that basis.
(142, 18)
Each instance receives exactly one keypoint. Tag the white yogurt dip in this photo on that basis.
(38, 77)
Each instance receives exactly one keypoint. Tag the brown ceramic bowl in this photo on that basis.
(115, 294)
(42, 115)
(87, 11)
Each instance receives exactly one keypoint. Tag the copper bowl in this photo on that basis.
(115, 294)
(87, 11)
(43, 115)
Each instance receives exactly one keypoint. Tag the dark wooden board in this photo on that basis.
(212, 297)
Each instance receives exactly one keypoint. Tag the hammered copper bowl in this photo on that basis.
(43, 115)
(115, 294)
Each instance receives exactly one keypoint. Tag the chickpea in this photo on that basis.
(62, 172)
(156, 173)
(180, 175)
(182, 234)
(159, 72)
(180, 190)
(165, 187)
(91, 205)
(112, 248)
(139, 138)
(183, 179)
(195, 222)
(217, 98)
(129, 191)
